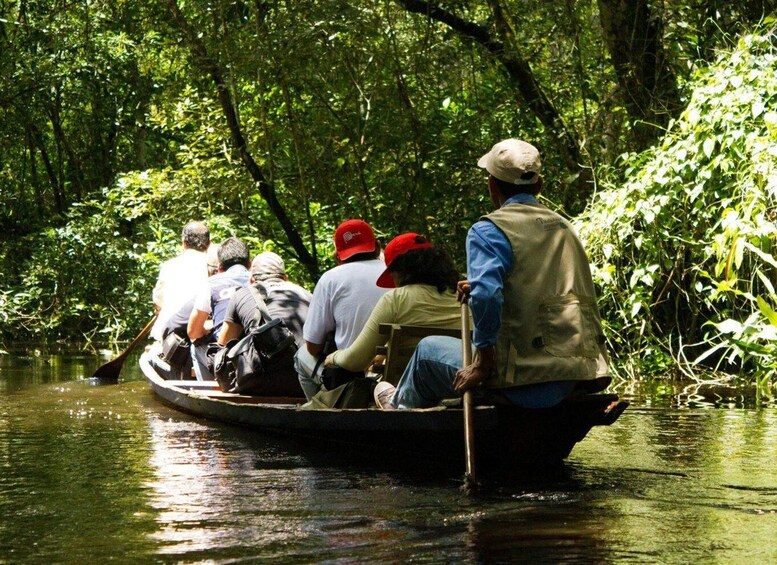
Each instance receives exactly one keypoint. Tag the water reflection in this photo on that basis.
(210, 495)
(729, 392)
(97, 474)
(692, 483)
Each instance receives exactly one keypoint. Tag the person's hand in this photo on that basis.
(478, 371)
(330, 360)
(462, 291)
(469, 377)
(378, 360)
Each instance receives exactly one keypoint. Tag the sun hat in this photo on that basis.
(396, 247)
(212, 255)
(513, 161)
(353, 237)
(266, 265)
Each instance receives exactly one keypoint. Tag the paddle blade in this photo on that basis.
(109, 372)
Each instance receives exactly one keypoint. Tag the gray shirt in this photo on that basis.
(285, 300)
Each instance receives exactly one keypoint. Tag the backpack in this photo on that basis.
(262, 362)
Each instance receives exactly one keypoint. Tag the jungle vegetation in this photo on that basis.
(275, 120)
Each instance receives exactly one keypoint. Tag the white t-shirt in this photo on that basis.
(343, 301)
(179, 279)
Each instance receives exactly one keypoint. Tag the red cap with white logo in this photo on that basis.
(353, 237)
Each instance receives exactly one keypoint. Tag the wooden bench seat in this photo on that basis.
(401, 341)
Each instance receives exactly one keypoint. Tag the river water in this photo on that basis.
(93, 474)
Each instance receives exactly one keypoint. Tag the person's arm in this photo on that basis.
(314, 349)
(229, 331)
(232, 328)
(196, 326)
(320, 318)
(360, 354)
(489, 259)
(482, 367)
(158, 293)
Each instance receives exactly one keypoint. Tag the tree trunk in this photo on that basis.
(34, 179)
(53, 109)
(266, 189)
(54, 181)
(634, 37)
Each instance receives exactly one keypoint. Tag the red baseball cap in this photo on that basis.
(352, 237)
(396, 247)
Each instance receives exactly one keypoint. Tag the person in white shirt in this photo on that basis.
(181, 276)
(211, 301)
(342, 302)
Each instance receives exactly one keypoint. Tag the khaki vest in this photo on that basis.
(551, 329)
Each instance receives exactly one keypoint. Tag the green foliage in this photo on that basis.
(92, 278)
(112, 136)
(684, 237)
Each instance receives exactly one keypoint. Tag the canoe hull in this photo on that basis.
(504, 435)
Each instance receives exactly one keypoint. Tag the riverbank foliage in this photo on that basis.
(273, 121)
(683, 238)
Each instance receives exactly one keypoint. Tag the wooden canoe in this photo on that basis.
(505, 435)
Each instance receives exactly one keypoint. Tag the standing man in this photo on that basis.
(210, 302)
(342, 300)
(181, 276)
(537, 330)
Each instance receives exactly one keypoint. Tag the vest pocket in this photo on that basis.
(569, 326)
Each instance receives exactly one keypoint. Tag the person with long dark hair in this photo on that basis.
(422, 279)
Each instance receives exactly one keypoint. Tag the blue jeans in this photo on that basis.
(200, 362)
(429, 376)
(304, 363)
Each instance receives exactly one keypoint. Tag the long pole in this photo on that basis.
(469, 427)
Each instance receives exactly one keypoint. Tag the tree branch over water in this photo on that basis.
(505, 51)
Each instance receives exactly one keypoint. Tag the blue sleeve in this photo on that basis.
(489, 259)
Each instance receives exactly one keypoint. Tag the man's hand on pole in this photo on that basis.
(462, 291)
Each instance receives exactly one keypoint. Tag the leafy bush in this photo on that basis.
(685, 244)
(92, 278)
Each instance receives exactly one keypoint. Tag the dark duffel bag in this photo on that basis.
(176, 350)
(259, 364)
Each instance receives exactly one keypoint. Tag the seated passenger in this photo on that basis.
(178, 321)
(210, 303)
(178, 281)
(342, 300)
(284, 300)
(537, 331)
(422, 279)
(180, 277)
(269, 296)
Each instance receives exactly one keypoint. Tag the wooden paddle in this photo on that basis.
(469, 425)
(109, 372)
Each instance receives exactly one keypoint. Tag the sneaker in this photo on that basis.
(383, 394)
